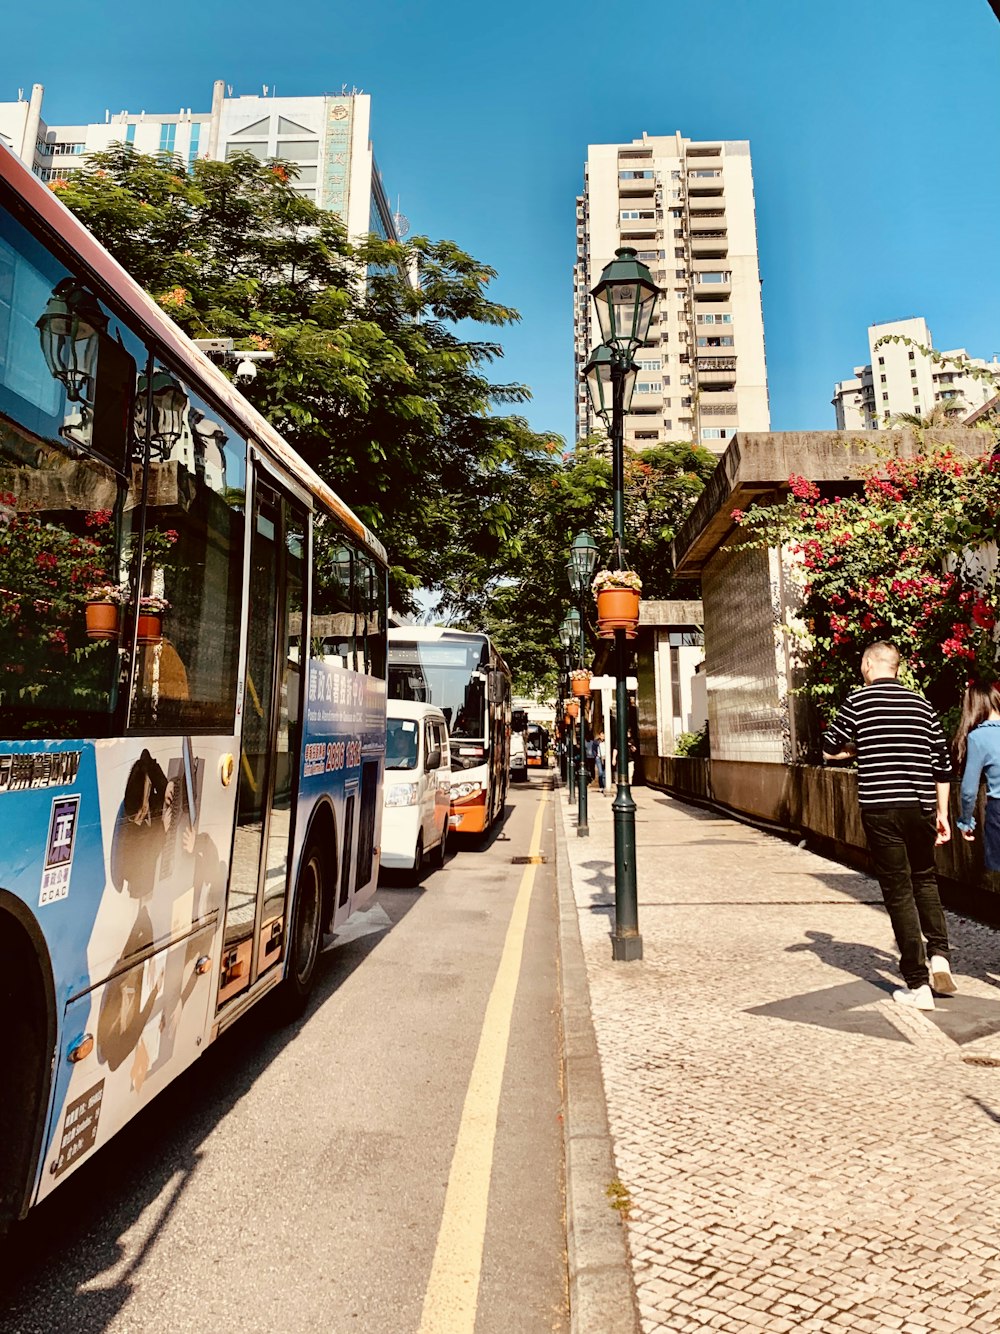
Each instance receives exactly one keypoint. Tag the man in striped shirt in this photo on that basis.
(904, 777)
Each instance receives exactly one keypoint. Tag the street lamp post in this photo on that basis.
(566, 638)
(580, 569)
(625, 298)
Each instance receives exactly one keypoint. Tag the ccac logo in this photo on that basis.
(59, 850)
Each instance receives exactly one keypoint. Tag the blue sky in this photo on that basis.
(874, 127)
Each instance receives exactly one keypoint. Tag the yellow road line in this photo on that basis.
(453, 1290)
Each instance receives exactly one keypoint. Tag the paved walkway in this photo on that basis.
(799, 1153)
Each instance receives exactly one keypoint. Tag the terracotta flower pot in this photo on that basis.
(581, 689)
(150, 627)
(102, 620)
(618, 608)
(572, 710)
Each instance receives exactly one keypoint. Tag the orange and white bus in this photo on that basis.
(463, 675)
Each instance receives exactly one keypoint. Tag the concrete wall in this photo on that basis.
(820, 804)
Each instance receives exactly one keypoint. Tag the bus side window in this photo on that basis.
(372, 615)
(189, 564)
(332, 598)
(67, 495)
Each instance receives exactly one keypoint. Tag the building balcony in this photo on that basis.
(710, 205)
(709, 245)
(726, 410)
(722, 365)
(712, 286)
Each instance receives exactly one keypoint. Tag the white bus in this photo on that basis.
(464, 676)
(192, 700)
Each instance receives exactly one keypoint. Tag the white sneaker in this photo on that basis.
(941, 978)
(920, 999)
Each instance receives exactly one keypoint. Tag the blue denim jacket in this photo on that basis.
(982, 758)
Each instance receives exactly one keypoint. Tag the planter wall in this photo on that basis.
(820, 804)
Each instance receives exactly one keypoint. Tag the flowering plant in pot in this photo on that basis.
(150, 619)
(580, 682)
(102, 609)
(617, 595)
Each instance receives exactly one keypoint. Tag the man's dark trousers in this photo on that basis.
(901, 840)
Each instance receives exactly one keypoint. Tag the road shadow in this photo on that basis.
(52, 1262)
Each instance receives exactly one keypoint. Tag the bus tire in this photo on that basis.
(304, 940)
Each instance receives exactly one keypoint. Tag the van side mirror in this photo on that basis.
(433, 760)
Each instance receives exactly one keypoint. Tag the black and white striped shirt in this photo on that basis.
(901, 749)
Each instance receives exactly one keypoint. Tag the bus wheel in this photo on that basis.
(305, 936)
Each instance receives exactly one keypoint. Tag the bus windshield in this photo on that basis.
(446, 675)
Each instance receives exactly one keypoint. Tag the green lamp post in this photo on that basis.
(580, 569)
(625, 298)
(566, 639)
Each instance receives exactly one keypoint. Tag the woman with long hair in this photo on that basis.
(977, 755)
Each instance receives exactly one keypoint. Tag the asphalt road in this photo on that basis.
(295, 1178)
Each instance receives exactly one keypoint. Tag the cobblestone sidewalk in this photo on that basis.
(800, 1153)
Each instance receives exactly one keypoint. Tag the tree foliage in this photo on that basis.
(372, 382)
(521, 592)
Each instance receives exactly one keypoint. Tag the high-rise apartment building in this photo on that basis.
(327, 137)
(899, 378)
(687, 208)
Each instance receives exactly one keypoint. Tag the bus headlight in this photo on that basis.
(402, 794)
(463, 791)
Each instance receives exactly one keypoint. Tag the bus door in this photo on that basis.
(256, 909)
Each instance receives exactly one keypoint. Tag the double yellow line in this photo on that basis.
(453, 1291)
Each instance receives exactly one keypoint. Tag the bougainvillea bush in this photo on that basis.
(909, 556)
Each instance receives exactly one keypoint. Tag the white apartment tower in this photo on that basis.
(687, 208)
(327, 137)
(900, 378)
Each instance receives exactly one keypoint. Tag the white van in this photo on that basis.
(417, 789)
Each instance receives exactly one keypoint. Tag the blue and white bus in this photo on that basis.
(192, 700)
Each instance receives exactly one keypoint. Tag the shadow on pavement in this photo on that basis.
(51, 1263)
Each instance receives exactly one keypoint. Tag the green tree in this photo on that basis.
(372, 381)
(519, 591)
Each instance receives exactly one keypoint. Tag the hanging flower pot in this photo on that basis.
(103, 611)
(572, 711)
(150, 619)
(580, 684)
(102, 620)
(617, 594)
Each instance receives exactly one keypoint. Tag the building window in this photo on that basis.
(168, 133)
(713, 433)
(130, 134)
(882, 378)
(668, 424)
(648, 387)
(916, 392)
(913, 373)
(911, 356)
(73, 150)
(885, 398)
(680, 273)
(194, 142)
(649, 364)
(301, 151)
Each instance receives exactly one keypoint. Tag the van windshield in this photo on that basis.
(401, 737)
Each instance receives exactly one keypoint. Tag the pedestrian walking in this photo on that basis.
(977, 755)
(904, 778)
(599, 762)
